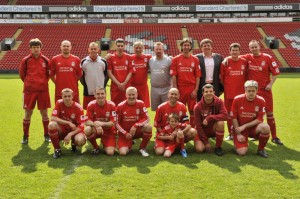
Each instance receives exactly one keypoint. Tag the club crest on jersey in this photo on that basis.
(107, 114)
(72, 116)
(137, 111)
(256, 108)
(263, 63)
(44, 65)
(73, 64)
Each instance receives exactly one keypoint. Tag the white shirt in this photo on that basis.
(209, 68)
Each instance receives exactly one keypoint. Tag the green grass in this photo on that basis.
(31, 172)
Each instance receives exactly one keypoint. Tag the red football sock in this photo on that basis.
(229, 126)
(26, 125)
(272, 124)
(54, 138)
(45, 125)
(181, 142)
(146, 138)
(219, 138)
(262, 141)
(92, 139)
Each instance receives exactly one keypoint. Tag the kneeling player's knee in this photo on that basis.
(88, 131)
(80, 139)
(167, 154)
(265, 129)
(220, 126)
(52, 126)
(110, 151)
(199, 146)
(147, 128)
(159, 150)
(123, 151)
(242, 151)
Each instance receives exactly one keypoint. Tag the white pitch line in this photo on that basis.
(65, 179)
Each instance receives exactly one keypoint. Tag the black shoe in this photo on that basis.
(262, 153)
(277, 141)
(219, 151)
(47, 138)
(24, 140)
(73, 149)
(57, 153)
(95, 151)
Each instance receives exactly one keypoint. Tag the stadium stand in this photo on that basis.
(7, 31)
(288, 33)
(224, 34)
(3, 2)
(122, 2)
(194, 2)
(265, 1)
(52, 36)
(49, 2)
(166, 34)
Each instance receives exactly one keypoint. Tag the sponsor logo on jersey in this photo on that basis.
(72, 116)
(256, 108)
(137, 111)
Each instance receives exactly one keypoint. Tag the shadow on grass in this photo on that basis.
(279, 157)
(29, 158)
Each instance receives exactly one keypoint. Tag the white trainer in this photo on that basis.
(144, 153)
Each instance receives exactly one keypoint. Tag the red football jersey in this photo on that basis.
(233, 77)
(120, 67)
(34, 73)
(168, 130)
(164, 110)
(129, 115)
(246, 111)
(187, 69)
(104, 113)
(141, 65)
(260, 67)
(73, 113)
(67, 72)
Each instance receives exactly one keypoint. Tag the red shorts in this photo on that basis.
(143, 94)
(108, 139)
(185, 96)
(41, 98)
(64, 132)
(87, 100)
(75, 98)
(117, 96)
(123, 142)
(251, 132)
(167, 145)
(267, 95)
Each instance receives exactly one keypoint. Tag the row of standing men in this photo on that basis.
(185, 72)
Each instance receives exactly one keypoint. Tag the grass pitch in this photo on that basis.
(29, 171)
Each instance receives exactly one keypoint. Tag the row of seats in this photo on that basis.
(81, 35)
(50, 2)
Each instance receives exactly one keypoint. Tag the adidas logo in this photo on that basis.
(242, 107)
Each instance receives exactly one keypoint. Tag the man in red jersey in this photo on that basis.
(140, 62)
(247, 114)
(260, 67)
(65, 71)
(233, 77)
(120, 72)
(101, 119)
(133, 123)
(67, 123)
(34, 72)
(173, 106)
(185, 71)
(210, 114)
